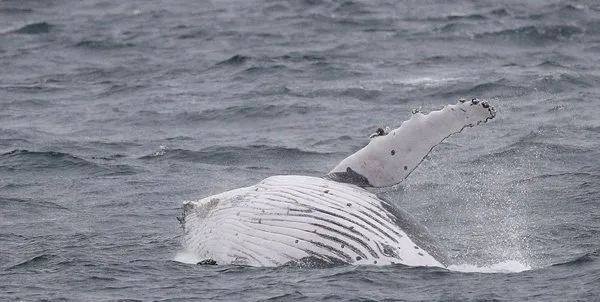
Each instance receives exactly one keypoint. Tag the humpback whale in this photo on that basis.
(334, 219)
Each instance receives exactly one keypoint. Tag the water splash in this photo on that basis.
(187, 257)
(161, 151)
(478, 206)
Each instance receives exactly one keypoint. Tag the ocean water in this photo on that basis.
(112, 113)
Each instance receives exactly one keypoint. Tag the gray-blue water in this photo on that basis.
(112, 113)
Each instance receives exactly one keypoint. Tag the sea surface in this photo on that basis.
(112, 113)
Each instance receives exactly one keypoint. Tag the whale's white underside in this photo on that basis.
(286, 218)
(289, 219)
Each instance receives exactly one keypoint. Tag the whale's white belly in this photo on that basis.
(284, 219)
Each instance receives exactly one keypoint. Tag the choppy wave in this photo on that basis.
(496, 88)
(35, 28)
(583, 260)
(234, 155)
(235, 60)
(558, 12)
(467, 16)
(39, 161)
(15, 10)
(33, 160)
(28, 104)
(247, 112)
(106, 44)
(534, 143)
(32, 87)
(35, 262)
(11, 202)
(534, 35)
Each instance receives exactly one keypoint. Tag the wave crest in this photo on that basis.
(35, 28)
(21, 160)
(234, 155)
(536, 34)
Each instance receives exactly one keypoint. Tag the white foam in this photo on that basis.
(428, 81)
(187, 257)
(161, 151)
(508, 266)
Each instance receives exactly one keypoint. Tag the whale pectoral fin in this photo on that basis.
(389, 159)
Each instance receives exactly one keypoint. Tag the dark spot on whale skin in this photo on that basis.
(389, 251)
(326, 191)
(343, 246)
(420, 254)
(349, 204)
(416, 247)
(358, 258)
(351, 227)
(375, 262)
(259, 221)
(475, 101)
(296, 241)
(485, 105)
(393, 152)
(405, 168)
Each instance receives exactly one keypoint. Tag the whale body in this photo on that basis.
(335, 219)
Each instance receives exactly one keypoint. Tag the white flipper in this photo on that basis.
(286, 219)
(388, 159)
